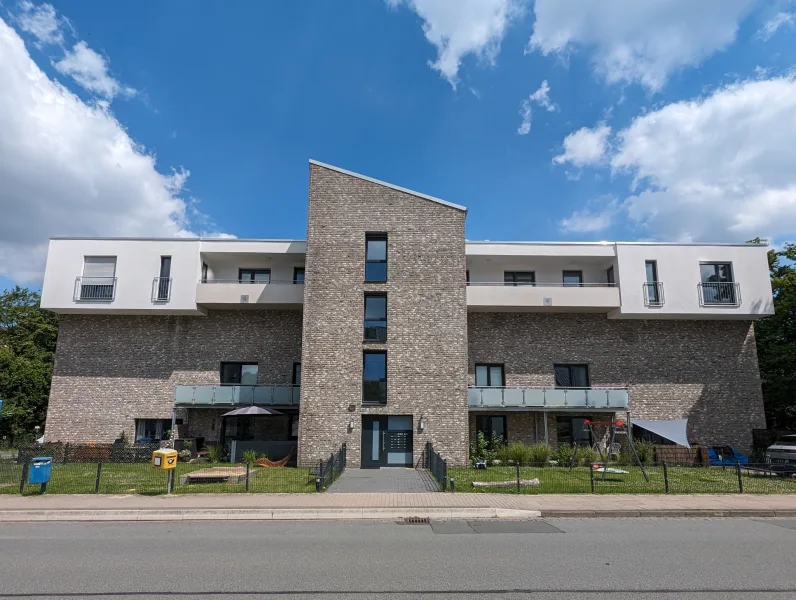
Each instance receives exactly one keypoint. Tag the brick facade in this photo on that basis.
(704, 370)
(111, 370)
(426, 321)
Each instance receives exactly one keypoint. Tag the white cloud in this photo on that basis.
(42, 22)
(458, 28)
(542, 98)
(642, 41)
(585, 146)
(781, 19)
(70, 168)
(90, 70)
(597, 215)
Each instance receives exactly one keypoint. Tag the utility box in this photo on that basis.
(40, 470)
(165, 458)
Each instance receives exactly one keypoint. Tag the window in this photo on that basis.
(717, 283)
(519, 277)
(297, 373)
(374, 378)
(293, 427)
(375, 317)
(493, 427)
(204, 272)
(653, 293)
(376, 257)
(298, 275)
(609, 276)
(572, 376)
(151, 430)
(489, 375)
(467, 275)
(254, 275)
(164, 279)
(99, 278)
(573, 430)
(238, 373)
(573, 278)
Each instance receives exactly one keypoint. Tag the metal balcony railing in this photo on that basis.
(95, 289)
(229, 395)
(256, 282)
(548, 398)
(653, 293)
(540, 284)
(719, 293)
(161, 289)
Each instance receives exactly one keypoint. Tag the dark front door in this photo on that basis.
(386, 441)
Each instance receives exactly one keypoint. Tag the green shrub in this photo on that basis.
(646, 451)
(213, 453)
(185, 455)
(517, 452)
(586, 455)
(484, 449)
(540, 454)
(564, 454)
(249, 456)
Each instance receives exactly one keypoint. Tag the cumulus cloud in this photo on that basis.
(458, 28)
(770, 27)
(585, 146)
(90, 70)
(42, 22)
(597, 215)
(70, 168)
(541, 97)
(637, 41)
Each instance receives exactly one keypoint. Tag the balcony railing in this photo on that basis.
(230, 395)
(548, 398)
(719, 293)
(557, 284)
(95, 289)
(653, 293)
(161, 289)
(255, 282)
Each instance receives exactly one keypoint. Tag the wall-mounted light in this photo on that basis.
(351, 424)
(422, 424)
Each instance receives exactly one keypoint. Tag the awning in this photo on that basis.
(673, 430)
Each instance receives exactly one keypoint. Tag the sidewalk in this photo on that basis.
(344, 506)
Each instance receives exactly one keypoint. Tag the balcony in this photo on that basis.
(161, 289)
(583, 297)
(232, 395)
(719, 293)
(95, 289)
(540, 398)
(653, 293)
(220, 293)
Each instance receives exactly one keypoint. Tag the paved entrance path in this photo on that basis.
(395, 480)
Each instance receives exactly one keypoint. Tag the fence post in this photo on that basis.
(248, 466)
(170, 481)
(453, 485)
(518, 477)
(66, 452)
(319, 479)
(24, 478)
(591, 476)
(97, 482)
(740, 477)
(666, 476)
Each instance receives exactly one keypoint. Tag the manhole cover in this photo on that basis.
(414, 521)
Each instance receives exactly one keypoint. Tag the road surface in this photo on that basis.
(593, 559)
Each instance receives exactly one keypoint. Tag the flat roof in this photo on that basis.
(560, 243)
(179, 239)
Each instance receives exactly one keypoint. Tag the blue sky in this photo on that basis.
(656, 120)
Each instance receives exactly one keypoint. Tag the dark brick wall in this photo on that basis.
(427, 316)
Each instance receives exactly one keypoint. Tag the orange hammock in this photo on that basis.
(264, 462)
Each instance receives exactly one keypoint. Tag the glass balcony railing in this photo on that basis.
(548, 398)
(231, 395)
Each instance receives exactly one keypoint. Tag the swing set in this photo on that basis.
(617, 427)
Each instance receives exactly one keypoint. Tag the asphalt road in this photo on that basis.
(554, 559)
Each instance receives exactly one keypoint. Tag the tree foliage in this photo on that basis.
(27, 351)
(776, 342)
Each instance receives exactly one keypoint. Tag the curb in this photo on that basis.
(666, 513)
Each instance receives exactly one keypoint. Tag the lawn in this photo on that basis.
(141, 478)
(682, 480)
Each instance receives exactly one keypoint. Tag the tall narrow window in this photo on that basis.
(572, 376)
(374, 378)
(375, 317)
(519, 277)
(164, 279)
(609, 276)
(376, 257)
(254, 275)
(718, 286)
(298, 275)
(573, 278)
(296, 373)
(653, 293)
(99, 278)
(204, 272)
(489, 375)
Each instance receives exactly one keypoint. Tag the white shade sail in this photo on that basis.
(673, 429)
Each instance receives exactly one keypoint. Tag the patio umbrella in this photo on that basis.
(251, 411)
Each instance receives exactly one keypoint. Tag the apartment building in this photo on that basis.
(386, 329)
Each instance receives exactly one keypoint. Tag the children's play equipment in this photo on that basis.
(617, 427)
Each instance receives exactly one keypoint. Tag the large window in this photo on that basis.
(99, 278)
(238, 373)
(151, 430)
(163, 287)
(572, 430)
(519, 277)
(573, 278)
(493, 427)
(375, 317)
(376, 257)
(717, 283)
(572, 376)
(651, 285)
(254, 275)
(489, 375)
(298, 275)
(374, 378)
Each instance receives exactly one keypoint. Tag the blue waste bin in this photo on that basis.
(40, 470)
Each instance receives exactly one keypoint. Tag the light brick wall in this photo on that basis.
(426, 322)
(111, 370)
(704, 370)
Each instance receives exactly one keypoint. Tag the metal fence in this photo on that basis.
(330, 469)
(118, 469)
(657, 478)
(437, 465)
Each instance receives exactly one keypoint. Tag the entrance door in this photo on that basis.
(386, 441)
